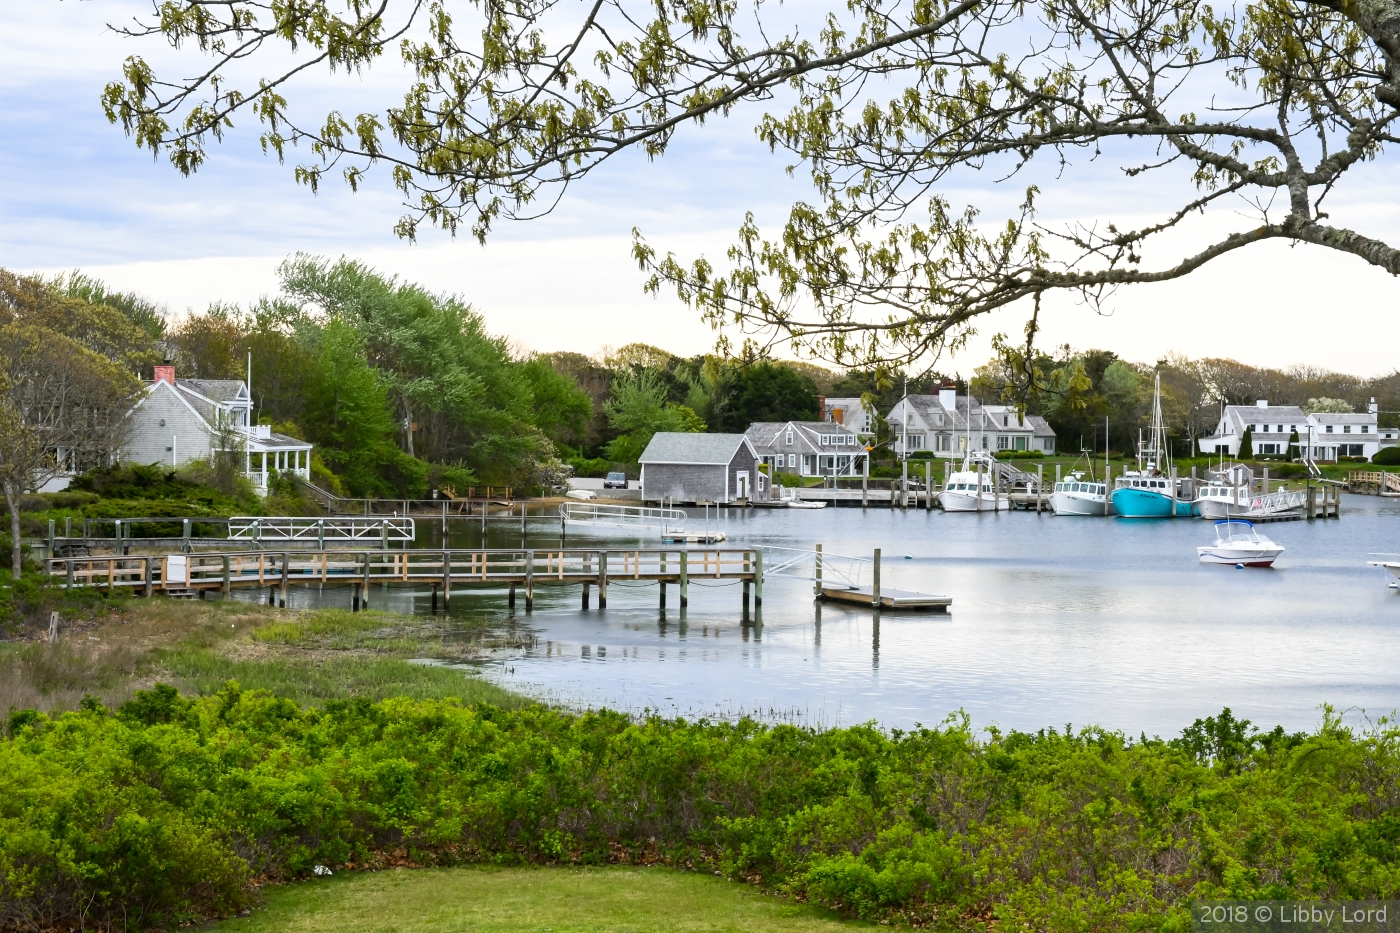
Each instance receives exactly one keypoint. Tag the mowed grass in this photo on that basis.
(557, 900)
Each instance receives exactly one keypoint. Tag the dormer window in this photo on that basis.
(1329, 429)
(1346, 429)
(1365, 429)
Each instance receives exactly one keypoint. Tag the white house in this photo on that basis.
(807, 448)
(849, 413)
(1321, 435)
(176, 422)
(948, 425)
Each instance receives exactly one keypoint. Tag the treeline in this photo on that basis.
(639, 390)
(400, 389)
(1077, 391)
(170, 809)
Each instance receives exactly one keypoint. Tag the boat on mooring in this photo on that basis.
(974, 490)
(1077, 496)
(1151, 491)
(1236, 542)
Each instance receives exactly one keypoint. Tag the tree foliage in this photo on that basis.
(63, 397)
(393, 383)
(1254, 111)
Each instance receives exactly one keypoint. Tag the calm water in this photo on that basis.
(1054, 621)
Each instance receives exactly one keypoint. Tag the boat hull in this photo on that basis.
(967, 502)
(1144, 503)
(1223, 508)
(1067, 503)
(1235, 554)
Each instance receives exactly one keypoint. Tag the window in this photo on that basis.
(1365, 429)
(1346, 429)
(792, 461)
(789, 440)
(824, 439)
(1329, 429)
(945, 442)
(916, 442)
(1003, 442)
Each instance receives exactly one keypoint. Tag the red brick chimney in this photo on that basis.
(165, 373)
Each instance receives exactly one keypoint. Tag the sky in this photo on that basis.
(75, 193)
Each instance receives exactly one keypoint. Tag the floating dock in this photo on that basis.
(888, 599)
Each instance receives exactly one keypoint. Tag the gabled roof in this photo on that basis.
(710, 449)
(768, 433)
(1040, 425)
(217, 390)
(1334, 417)
(1241, 415)
(183, 397)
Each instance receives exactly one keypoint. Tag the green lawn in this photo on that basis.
(562, 900)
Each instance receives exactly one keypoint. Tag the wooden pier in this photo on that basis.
(442, 570)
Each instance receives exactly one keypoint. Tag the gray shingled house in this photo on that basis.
(175, 422)
(700, 468)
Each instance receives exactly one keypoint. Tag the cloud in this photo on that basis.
(77, 193)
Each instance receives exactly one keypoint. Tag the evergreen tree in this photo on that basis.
(1247, 445)
(1293, 446)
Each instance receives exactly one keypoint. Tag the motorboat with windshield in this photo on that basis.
(974, 490)
(1237, 542)
(1077, 496)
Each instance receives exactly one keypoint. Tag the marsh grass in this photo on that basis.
(516, 900)
(197, 646)
(311, 681)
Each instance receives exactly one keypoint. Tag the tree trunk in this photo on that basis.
(12, 501)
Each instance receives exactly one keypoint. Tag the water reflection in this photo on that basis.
(1054, 621)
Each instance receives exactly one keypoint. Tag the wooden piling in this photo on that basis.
(529, 581)
(928, 485)
(875, 581)
(510, 597)
(758, 580)
(282, 594)
(817, 587)
(685, 579)
(586, 588)
(603, 580)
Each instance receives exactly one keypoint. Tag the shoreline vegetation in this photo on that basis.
(169, 760)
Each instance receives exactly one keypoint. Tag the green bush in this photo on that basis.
(1387, 456)
(163, 811)
(590, 466)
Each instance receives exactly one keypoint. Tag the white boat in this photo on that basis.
(1392, 566)
(962, 493)
(805, 504)
(1236, 542)
(1076, 496)
(1219, 500)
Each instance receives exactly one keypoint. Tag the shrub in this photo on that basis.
(162, 811)
(1387, 456)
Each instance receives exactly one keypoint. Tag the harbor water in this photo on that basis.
(1055, 621)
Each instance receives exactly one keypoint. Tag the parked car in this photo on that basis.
(615, 481)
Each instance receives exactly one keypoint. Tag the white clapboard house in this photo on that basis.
(1321, 435)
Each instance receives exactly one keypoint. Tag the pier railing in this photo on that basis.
(445, 569)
